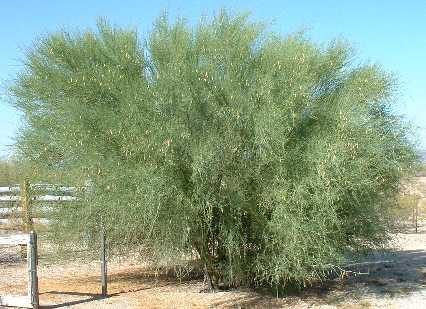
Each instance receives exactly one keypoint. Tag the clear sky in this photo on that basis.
(388, 32)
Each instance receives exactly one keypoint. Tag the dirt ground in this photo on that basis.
(392, 279)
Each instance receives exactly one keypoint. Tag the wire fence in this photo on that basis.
(28, 208)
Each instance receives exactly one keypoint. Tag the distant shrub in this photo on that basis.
(405, 208)
(421, 171)
(8, 173)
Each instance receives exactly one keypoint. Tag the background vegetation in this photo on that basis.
(8, 173)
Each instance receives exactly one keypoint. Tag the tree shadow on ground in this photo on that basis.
(392, 273)
(383, 273)
(89, 297)
(409, 228)
(118, 284)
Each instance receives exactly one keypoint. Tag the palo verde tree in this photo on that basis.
(268, 156)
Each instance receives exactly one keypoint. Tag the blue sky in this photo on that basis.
(391, 33)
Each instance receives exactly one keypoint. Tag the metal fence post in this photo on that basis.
(33, 270)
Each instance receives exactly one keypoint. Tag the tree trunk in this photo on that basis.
(207, 279)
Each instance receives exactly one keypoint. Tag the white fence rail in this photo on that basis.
(44, 187)
(11, 212)
(9, 189)
(44, 198)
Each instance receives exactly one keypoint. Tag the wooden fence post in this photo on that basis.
(27, 222)
(417, 214)
(33, 270)
(103, 263)
(414, 215)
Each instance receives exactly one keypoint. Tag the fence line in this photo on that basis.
(21, 195)
(14, 195)
(42, 198)
(31, 300)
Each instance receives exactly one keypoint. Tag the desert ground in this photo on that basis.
(393, 278)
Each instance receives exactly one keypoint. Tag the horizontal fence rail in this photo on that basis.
(9, 189)
(45, 198)
(44, 187)
(42, 221)
(14, 240)
(17, 208)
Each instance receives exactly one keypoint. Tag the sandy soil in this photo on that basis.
(393, 279)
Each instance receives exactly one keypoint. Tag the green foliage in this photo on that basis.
(268, 156)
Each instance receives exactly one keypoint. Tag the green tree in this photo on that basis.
(268, 156)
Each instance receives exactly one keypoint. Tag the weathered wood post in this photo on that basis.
(27, 222)
(414, 215)
(417, 214)
(103, 263)
(33, 270)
